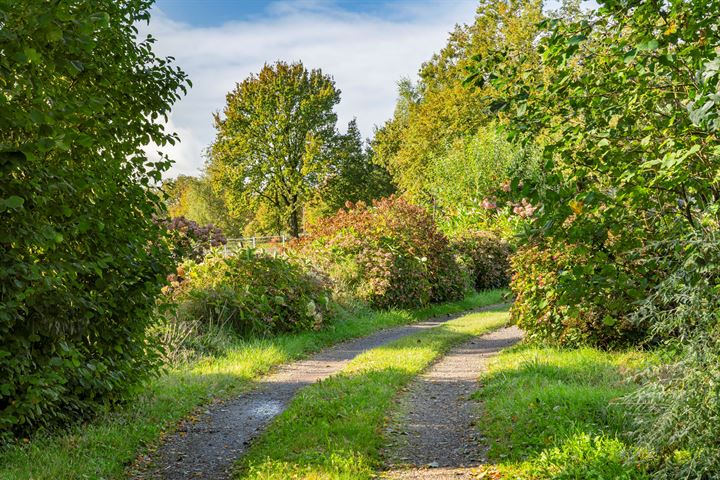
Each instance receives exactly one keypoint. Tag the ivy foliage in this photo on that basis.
(81, 260)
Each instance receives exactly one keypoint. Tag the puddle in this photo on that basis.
(266, 408)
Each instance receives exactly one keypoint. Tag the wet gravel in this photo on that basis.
(207, 446)
(435, 436)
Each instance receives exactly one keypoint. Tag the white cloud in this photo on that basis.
(365, 54)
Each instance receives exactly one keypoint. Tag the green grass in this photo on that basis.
(103, 448)
(333, 429)
(551, 413)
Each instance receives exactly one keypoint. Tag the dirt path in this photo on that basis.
(208, 447)
(434, 437)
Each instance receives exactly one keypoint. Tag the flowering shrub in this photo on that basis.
(390, 254)
(550, 311)
(487, 257)
(251, 292)
(190, 239)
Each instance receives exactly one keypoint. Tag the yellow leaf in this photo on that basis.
(576, 206)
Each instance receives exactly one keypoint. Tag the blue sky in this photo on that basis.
(216, 12)
(367, 46)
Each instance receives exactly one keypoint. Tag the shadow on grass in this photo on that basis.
(333, 428)
(331, 431)
(104, 447)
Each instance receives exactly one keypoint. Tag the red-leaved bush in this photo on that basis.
(191, 240)
(389, 254)
(486, 256)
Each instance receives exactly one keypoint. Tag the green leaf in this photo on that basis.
(630, 56)
(13, 202)
(32, 55)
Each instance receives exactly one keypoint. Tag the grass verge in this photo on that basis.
(550, 413)
(103, 448)
(333, 429)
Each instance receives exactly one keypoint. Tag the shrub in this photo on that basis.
(548, 310)
(676, 413)
(252, 292)
(191, 240)
(390, 254)
(81, 261)
(487, 257)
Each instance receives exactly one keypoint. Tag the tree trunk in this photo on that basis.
(295, 223)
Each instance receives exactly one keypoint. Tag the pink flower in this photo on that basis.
(488, 204)
(524, 209)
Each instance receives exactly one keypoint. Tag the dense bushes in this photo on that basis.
(550, 309)
(252, 293)
(191, 240)
(390, 254)
(676, 413)
(486, 256)
(81, 261)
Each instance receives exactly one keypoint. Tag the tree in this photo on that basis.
(432, 115)
(631, 156)
(274, 140)
(352, 176)
(629, 103)
(81, 261)
(459, 179)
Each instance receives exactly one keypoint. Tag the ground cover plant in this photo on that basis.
(333, 429)
(549, 413)
(81, 260)
(104, 447)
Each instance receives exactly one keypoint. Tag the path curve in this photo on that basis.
(208, 447)
(435, 437)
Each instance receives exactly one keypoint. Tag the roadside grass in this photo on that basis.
(103, 448)
(550, 413)
(333, 429)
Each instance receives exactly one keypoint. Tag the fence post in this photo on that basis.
(253, 240)
(283, 240)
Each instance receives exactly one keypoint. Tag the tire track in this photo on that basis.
(435, 436)
(208, 448)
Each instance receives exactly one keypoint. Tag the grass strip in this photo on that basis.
(550, 413)
(104, 447)
(333, 429)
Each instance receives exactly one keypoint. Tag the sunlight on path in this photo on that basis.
(434, 436)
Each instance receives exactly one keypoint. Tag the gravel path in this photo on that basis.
(435, 436)
(208, 446)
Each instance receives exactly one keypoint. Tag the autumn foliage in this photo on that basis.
(388, 254)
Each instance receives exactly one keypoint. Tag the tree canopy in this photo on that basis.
(275, 139)
(432, 114)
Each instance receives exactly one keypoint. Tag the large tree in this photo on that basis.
(275, 139)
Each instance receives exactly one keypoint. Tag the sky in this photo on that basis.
(366, 45)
